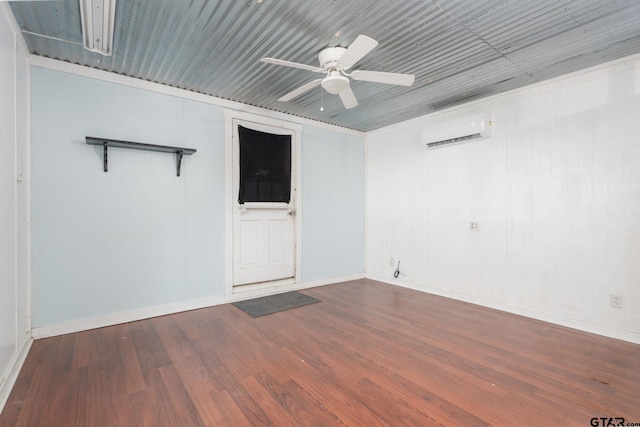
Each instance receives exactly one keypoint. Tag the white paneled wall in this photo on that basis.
(14, 197)
(555, 190)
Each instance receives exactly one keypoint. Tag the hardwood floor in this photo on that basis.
(369, 354)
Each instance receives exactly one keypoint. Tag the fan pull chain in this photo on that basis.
(321, 106)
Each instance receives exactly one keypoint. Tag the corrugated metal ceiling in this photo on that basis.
(458, 49)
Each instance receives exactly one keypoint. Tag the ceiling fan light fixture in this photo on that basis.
(335, 83)
(98, 22)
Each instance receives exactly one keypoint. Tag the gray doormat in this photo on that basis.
(274, 303)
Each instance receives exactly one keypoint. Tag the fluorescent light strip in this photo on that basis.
(98, 21)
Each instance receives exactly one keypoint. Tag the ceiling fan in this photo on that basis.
(334, 62)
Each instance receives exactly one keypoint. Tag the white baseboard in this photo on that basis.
(14, 369)
(149, 312)
(330, 281)
(580, 325)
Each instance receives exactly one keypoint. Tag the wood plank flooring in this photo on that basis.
(369, 354)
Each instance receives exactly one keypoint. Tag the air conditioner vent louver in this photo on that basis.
(454, 140)
(457, 131)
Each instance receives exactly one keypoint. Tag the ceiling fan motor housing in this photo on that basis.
(335, 82)
(329, 57)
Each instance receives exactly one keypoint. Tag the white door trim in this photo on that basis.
(296, 129)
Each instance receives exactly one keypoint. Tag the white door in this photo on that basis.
(263, 206)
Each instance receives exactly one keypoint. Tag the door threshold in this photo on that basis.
(272, 285)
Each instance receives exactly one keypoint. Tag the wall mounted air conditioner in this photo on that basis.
(456, 131)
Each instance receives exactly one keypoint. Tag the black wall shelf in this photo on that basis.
(114, 143)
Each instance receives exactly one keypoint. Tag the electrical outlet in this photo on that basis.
(474, 226)
(616, 301)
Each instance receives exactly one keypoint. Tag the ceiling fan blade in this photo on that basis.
(348, 98)
(300, 90)
(292, 64)
(358, 49)
(382, 77)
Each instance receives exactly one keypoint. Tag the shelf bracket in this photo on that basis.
(105, 156)
(179, 153)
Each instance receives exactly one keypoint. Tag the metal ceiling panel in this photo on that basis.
(459, 50)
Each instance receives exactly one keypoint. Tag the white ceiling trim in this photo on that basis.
(586, 74)
(94, 73)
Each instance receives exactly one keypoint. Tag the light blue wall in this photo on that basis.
(138, 236)
(333, 194)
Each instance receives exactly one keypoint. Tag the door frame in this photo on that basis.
(296, 136)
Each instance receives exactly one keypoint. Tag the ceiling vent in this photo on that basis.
(457, 131)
